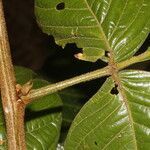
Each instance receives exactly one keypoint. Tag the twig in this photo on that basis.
(13, 111)
(34, 94)
(136, 59)
(14, 108)
(67, 83)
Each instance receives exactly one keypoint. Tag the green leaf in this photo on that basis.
(43, 116)
(23, 75)
(115, 121)
(43, 121)
(73, 99)
(96, 25)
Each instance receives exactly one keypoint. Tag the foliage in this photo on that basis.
(96, 26)
(43, 116)
(114, 121)
(117, 116)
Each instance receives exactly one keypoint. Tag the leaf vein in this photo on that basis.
(98, 125)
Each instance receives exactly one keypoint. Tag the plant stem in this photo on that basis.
(34, 94)
(70, 82)
(135, 59)
(13, 111)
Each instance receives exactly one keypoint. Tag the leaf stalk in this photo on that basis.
(106, 71)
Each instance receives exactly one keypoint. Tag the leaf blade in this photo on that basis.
(43, 118)
(97, 26)
(105, 123)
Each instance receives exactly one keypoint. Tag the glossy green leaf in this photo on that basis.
(73, 99)
(43, 117)
(43, 121)
(111, 121)
(96, 25)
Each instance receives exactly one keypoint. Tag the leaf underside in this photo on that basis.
(96, 26)
(115, 121)
(116, 117)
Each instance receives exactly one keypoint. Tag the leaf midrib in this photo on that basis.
(115, 73)
(124, 98)
(99, 26)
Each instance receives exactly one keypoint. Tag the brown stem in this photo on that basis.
(13, 110)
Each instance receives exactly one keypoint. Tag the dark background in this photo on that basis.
(33, 49)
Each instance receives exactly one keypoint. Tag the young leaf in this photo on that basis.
(115, 118)
(96, 25)
(43, 117)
